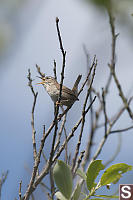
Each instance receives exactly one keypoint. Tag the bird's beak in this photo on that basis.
(42, 81)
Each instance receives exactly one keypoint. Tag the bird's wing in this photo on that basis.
(68, 91)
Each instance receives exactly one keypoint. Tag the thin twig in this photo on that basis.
(124, 100)
(92, 89)
(2, 180)
(112, 65)
(112, 28)
(94, 63)
(121, 130)
(20, 187)
(117, 115)
(77, 165)
(60, 133)
(32, 115)
(105, 113)
(54, 70)
(83, 118)
(52, 183)
(39, 71)
(35, 168)
(60, 92)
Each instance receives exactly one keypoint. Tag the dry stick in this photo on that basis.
(52, 183)
(55, 76)
(65, 133)
(78, 162)
(35, 168)
(60, 133)
(55, 122)
(32, 115)
(20, 194)
(88, 66)
(49, 163)
(83, 118)
(42, 74)
(117, 115)
(112, 27)
(92, 90)
(87, 78)
(2, 180)
(39, 71)
(63, 58)
(105, 136)
(93, 124)
(54, 70)
(112, 65)
(105, 113)
(114, 36)
(98, 112)
(124, 100)
(122, 130)
(60, 92)
(90, 142)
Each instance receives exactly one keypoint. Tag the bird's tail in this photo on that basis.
(75, 87)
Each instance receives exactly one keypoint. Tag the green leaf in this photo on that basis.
(60, 196)
(114, 173)
(81, 174)
(76, 193)
(63, 178)
(107, 196)
(95, 167)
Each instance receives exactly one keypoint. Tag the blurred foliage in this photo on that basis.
(121, 10)
(105, 3)
(8, 10)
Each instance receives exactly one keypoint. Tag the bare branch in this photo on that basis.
(83, 118)
(20, 194)
(78, 162)
(60, 92)
(39, 71)
(94, 63)
(124, 100)
(105, 114)
(2, 180)
(122, 130)
(54, 70)
(35, 168)
(32, 115)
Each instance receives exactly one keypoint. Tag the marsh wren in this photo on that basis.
(68, 96)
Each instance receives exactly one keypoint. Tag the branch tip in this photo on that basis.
(57, 19)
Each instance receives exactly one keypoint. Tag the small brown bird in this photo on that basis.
(53, 89)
